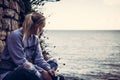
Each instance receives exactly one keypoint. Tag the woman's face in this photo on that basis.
(36, 29)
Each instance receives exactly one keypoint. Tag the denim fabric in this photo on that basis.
(22, 74)
(53, 64)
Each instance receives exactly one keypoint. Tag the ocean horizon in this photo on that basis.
(87, 54)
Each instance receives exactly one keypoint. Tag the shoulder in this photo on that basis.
(15, 34)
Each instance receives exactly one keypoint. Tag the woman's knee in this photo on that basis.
(53, 64)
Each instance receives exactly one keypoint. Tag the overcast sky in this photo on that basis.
(83, 14)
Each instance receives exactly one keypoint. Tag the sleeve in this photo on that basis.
(39, 59)
(16, 49)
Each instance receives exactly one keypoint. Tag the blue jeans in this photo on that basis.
(24, 74)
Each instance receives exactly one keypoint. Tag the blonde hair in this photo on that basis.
(30, 20)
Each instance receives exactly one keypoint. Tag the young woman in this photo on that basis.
(22, 57)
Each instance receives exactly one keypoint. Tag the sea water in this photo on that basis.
(87, 54)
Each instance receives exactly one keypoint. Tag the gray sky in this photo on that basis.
(83, 14)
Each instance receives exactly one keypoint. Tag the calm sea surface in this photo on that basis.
(90, 55)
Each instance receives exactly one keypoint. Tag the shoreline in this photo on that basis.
(92, 78)
(72, 78)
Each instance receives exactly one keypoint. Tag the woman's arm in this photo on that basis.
(39, 59)
(16, 48)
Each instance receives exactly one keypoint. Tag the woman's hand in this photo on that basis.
(46, 75)
(52, 72)
(28, 65)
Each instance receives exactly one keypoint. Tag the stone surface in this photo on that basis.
(6, 23)
(6, 3)
(3, 35)
(9, 18)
